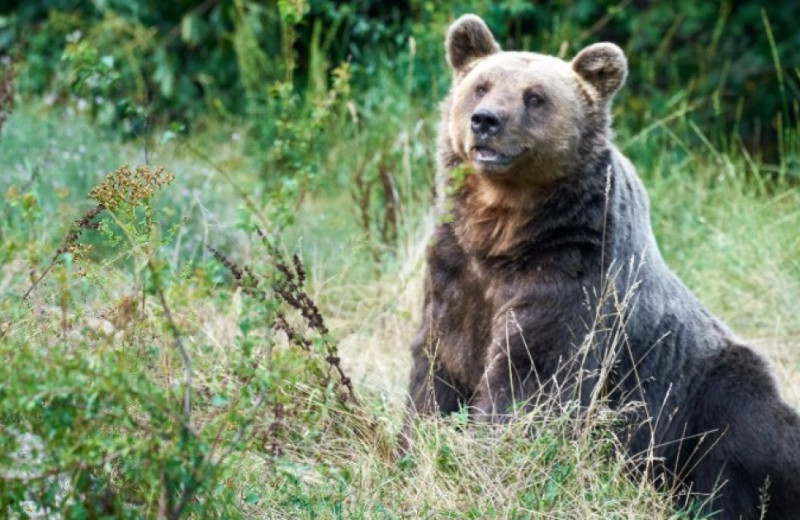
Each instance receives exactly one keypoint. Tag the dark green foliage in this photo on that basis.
(188, 57)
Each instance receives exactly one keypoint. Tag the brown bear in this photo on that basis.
(544, 278)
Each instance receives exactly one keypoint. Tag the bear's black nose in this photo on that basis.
(484, 121)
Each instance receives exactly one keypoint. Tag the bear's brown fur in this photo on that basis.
(546, 231)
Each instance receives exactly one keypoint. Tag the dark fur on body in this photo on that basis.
(505, 324)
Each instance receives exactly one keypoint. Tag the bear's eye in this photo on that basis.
(533, 100)
(481, 90)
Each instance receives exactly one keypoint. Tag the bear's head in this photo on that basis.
(522, 117)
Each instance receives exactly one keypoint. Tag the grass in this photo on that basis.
(91, 368)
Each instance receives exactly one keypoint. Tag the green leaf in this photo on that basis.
(168, 136)
(190, 29)
(219, 401)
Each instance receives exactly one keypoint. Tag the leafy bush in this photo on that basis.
(130, 415)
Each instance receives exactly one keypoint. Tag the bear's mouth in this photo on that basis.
(484, 155)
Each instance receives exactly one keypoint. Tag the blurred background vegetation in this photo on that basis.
(734, 63)
(307, 82)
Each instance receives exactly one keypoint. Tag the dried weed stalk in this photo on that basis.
(289, 286)
(132, 187)
(70, 244)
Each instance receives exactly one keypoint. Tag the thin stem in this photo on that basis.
(187, 363)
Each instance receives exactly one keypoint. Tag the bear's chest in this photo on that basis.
(477, 302)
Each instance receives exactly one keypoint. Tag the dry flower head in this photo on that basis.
(128, 186)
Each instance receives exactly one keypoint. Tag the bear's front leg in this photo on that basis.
(534, 357)
(511, 380)
(432, 389)
(511, 374)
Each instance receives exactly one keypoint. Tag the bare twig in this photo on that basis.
(196, 11)
(602, 22)
(187, 362)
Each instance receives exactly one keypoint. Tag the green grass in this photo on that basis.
(91, 367)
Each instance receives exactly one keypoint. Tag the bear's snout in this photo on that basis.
(485, 122)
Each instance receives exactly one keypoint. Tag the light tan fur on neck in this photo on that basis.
(491, 214)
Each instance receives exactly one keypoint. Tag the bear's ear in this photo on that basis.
(604, 66)
(469, 38)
